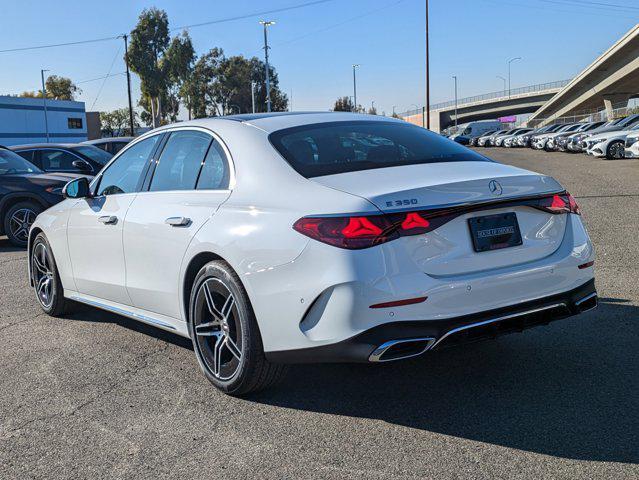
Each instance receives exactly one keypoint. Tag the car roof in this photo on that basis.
(42, 145)
(108, 140)
(271, 122)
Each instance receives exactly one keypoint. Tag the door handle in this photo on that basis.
(108, 219)
(178, 221)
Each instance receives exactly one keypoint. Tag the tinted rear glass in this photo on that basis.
(340, 147)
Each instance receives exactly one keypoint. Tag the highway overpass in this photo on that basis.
(609, 82)
(488, 106)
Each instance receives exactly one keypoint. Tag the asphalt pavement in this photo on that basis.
(95, 395)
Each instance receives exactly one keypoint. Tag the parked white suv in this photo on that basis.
(280, 238)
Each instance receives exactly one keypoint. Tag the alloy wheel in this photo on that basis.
(617, 150)
(20, 223)
(42, 274)
(218, 329)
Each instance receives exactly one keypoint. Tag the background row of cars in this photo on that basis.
(32, 178)
(614, 139)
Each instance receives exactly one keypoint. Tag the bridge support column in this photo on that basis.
(610, 101)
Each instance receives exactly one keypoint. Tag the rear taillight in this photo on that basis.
(559, 203)
(357, 232)
(363, 231)
(348, 232)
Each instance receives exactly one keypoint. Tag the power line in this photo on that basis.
(590, 4)
(335, 25)
(101, 78)
(250, 15)
(106, 77)
(184, 27)
(80, 42)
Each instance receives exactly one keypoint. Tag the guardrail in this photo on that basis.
(492, 95)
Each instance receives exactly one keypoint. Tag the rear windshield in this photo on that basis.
(340, 147)
(94, 153)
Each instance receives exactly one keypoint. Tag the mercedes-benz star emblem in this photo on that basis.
(495, 187)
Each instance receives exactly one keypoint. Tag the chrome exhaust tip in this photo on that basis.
(401, 349)
(589, 302)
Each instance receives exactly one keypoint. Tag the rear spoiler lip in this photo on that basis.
(478, 205)
(458, 207)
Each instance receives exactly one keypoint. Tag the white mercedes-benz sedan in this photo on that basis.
(270, 239)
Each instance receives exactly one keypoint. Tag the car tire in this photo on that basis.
(46, 279)
(18, 221)
(615, 150)
(225, 335)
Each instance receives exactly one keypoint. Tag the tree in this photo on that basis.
(219, 85)
(343, 104)
(58, 88)
(115, 123)
(149, 42)
(372, 111)
(177, 65)
(61, 88)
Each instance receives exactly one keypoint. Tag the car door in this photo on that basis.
(58, 160)
(189, 182)
(95, 225)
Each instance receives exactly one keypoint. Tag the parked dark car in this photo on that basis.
(64, 157)
(25, 191)
(462, 139)
(111, 145)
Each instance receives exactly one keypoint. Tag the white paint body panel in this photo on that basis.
(284, 272)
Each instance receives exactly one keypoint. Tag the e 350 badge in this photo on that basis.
(402, 203)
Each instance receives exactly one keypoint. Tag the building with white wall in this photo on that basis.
(22, 121)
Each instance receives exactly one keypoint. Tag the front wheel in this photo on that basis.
(615, 150)
(225, 335)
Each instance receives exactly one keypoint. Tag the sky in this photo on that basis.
(314, 47)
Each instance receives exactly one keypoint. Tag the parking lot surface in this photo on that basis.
(95, 395)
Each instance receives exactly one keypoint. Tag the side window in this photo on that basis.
(215, 171)
(180, 162)
(123, 175)
(117, 146)
(58, 160)
(27, 155)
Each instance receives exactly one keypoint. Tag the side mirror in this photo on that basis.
(82, 165)
(78, 188)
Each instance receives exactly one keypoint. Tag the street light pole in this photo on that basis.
(128, 84)
(509, 62)
(355, 65)
(503, 80)
(266, 24)
(44, 102)
(253, 96)
(427, 75)
(455, 77)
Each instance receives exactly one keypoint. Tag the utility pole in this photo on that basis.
(266, 24)
(427, 75)
(509, 62)
(128, 83)
(44, 102)
(253, 96)
(455, 77)
(355, 65)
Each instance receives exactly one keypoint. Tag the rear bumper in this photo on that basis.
(435, 334)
